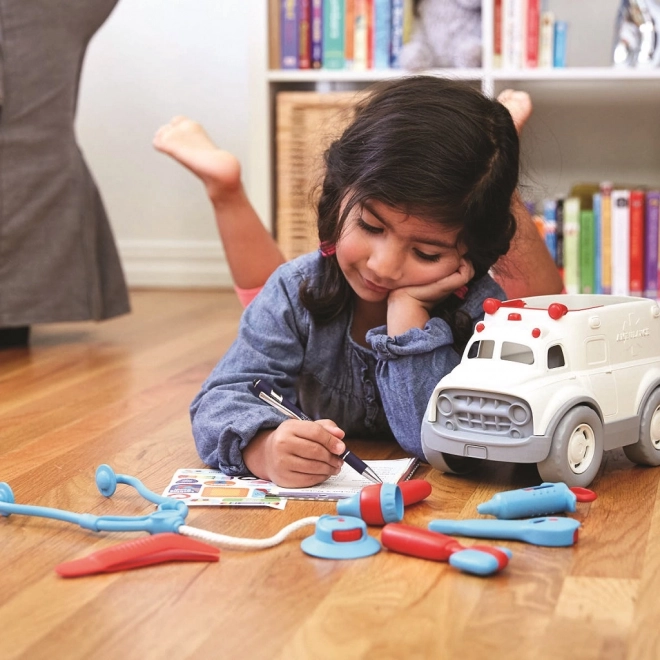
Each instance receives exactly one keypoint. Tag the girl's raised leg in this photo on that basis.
(252, 253)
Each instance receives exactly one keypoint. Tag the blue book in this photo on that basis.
(333, 34)
(382, 33)
(652, 243)
(317, 34)
(289, 27)
(396, 38)
(559, 54)
(598, 245)
(550, 226)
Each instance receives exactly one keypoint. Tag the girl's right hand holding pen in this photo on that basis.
(296, 454)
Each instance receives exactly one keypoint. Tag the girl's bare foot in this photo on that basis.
(188, 143)
(519, 104)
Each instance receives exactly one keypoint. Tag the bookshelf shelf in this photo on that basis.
(570, 74)
(367, 76)
(567, 74)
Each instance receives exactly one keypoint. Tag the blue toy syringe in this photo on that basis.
(552, 531)
(540, 500)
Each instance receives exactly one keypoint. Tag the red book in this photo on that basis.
(497, 33)
(636, 272)
(532, 36)
(370, 34)
(305, 34)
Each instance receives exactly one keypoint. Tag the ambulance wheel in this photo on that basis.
(452, 464)
(577, 449)
(646, 451)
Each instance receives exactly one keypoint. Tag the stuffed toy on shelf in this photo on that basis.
(445, 33)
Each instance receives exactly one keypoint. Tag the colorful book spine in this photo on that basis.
(547, 39)
(361, 36)
(333, 34)
(606, 237)
(382, 33)
(317, 34)
(289, 26)
(513, 33)
(370, 34)
(349, 35)
(532, 32)
(652, 243)
(620, 242)
(304, 34)
(396, 39)
(572, 244)
(559, 215)
(550, 226)
(408, 20)
(587, 251)
(274, 35)
(636, 246)
(497, 33)
(598, 242)
(559, 51)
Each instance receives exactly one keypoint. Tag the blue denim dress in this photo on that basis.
(382, 392)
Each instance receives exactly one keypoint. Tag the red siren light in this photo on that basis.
(514, 316)
(479, 327)
(557, 310)
(536, 333)
(491, 305)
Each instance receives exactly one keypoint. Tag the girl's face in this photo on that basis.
(381, 249)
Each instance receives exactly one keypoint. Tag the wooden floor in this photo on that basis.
(118, 393)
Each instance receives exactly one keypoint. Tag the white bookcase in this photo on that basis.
(591, 121)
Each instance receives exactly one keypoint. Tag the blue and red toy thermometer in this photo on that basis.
(546, 499)
(423, 543)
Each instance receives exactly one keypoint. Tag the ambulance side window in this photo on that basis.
(556, 357)
(482, 349)
(514, 352)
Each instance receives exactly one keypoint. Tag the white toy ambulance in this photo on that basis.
(552, 380)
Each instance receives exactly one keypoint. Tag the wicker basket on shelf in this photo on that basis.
(307, 122)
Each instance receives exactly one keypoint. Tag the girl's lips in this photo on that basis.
(374, 287)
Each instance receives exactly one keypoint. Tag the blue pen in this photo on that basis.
(266, 392)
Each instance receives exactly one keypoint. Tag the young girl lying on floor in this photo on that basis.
(417, 205)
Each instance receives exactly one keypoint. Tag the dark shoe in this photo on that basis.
(14, 337)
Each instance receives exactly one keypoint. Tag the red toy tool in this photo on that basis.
(378, 504)
(423, 543)
(141, 552)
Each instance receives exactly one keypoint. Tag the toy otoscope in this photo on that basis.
(536, 501)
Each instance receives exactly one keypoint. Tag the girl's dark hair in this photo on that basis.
(436, 149)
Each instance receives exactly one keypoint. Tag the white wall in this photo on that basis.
(154, 59)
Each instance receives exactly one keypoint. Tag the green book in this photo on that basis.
(333, 34)
(572, 244)
(587, 251)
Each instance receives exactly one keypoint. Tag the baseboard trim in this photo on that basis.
(178, 264)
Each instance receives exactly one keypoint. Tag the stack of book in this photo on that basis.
(526, 37)
(338, 34)
(605, 239)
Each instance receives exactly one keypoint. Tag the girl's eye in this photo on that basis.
(368, 228)
(427, 257)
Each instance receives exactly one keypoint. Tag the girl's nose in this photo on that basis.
(386, 263)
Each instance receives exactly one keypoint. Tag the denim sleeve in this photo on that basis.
(270, 344)
(410, 365)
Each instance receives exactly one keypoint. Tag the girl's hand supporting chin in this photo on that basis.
(410, 307)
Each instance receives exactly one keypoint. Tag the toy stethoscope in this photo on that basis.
(169, 516)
